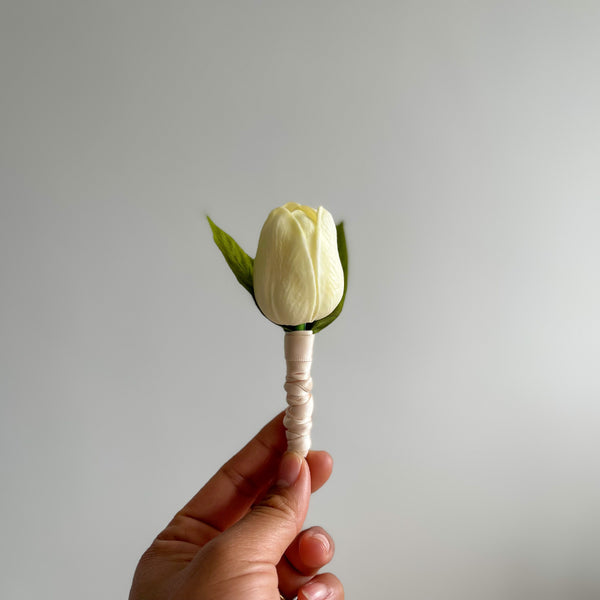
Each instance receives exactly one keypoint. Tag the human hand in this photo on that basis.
(240, 538)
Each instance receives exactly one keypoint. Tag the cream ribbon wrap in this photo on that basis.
(298, 350)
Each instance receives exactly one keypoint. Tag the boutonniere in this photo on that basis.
(298, 280)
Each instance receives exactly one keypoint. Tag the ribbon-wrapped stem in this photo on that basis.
(298, 350)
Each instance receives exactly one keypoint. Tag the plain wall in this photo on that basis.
(459, 392)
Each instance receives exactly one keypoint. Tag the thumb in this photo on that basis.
(273, 523)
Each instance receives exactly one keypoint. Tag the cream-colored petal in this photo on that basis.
(306, 223)
(309, 228)
(284, 281)
(328, 267)
(309, 211)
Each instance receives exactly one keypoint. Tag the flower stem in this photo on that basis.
(301, 327)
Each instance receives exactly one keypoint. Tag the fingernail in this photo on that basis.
(289, 469)
(322, 540)
(315, 590)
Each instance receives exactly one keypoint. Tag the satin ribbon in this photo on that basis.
(298, 351)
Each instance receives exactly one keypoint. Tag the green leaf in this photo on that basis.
(343, 252)
(239, 262)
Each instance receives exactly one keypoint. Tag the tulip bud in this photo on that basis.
(298, 276)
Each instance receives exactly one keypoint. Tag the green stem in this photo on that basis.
(301, 327)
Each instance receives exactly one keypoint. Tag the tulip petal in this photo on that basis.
(328, 267)
(306, 223)
(320, 324)
(309, 211)
(284, 281)
(308, 227)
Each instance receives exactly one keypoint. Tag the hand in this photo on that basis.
(240, 538)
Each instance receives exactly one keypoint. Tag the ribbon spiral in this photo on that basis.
(298, 349)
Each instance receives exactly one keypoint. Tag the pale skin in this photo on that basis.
(240, 537)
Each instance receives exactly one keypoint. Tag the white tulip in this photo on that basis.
(298, 276)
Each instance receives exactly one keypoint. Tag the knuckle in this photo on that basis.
(245, 485)
(278, 505)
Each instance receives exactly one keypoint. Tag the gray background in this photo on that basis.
(459, 391)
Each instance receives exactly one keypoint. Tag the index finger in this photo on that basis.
(246, 477)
